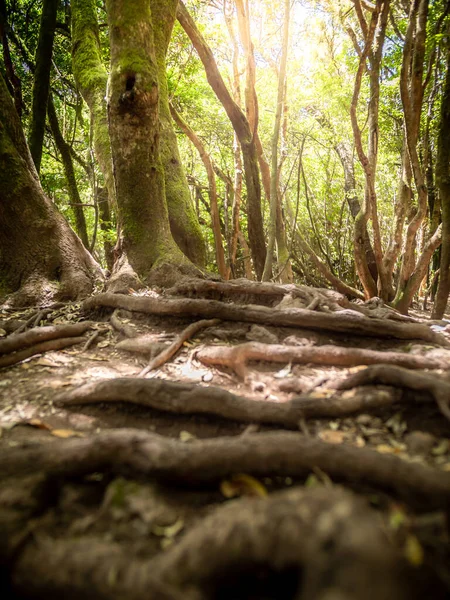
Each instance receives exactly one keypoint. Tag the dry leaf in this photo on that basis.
(2, 332)
(66, 433)
(38, 424)
(332, 437)
(242, 485)
(413, 551)
(46, 362)
(385, 449)
(103, 344)
(168, 531)
(185, 436)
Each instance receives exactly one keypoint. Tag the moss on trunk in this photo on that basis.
(133, 110)
(39, 253)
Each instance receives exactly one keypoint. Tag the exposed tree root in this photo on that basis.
(16, 357)
(122, 328)
(309, 544)
(237, 357)
(315, 540)
(350, 323)
(191, 399)
(16, 341)
(128, 452)
(173, 348)
(297, 296)
(438, 387)
(249, 290)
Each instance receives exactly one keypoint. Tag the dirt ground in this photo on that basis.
(116, 514)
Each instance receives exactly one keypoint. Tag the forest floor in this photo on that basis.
(264, 458)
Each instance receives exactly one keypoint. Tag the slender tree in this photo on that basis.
(41, 82)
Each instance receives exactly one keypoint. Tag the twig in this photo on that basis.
(167, 354)
(91, 339)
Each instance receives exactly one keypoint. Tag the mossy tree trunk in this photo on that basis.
(41, 82)
(443, 183)
(183, 220)
(92, 78)
(39, 253)
(133, 113)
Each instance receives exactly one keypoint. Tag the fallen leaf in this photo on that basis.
(103, 344)
(46, 362)
(385, 449)
(168, 531)
(207, 377)
(38, 424)
(442, 448)
(2, 332)
(332, 437)
(66, 433)
(242, 485)
(185, 436)
(413, 551)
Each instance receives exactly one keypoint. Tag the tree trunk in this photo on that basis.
(41, 82)
(244, 133)
(184, 223)
(72, 188)
(212, 189)
(39, 253)
(274, 174)
(133, 111)
(443, 183)
(91, 78)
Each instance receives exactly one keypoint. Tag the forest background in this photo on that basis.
(313, 139)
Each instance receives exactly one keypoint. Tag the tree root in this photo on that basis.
(307, 544)
(191, 399)
(34, 336)
(259, 291)
(315, 540)
(351, 324)
(237, 357)
(438, 387)
(58, 344)
(173, 348)
(122, 328)
(198, 462)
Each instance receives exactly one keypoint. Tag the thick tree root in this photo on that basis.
(396, 376)
(332, 560)
(263, 454)
(122, 328)
(308, 545)
(59, 344)
(173, 348)
(191, 399)
(259, 291)
(349, 323)
(37, 335)
(237, 357)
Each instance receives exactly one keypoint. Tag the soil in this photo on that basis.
(94, 533)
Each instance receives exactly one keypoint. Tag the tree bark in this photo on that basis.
(72, 187)
(91, 78)
(41, 82)
(212, 189)
(275, 210)
(183, 220)
(39, 253)
(244, 134)
(443, 183)
(133, 112)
